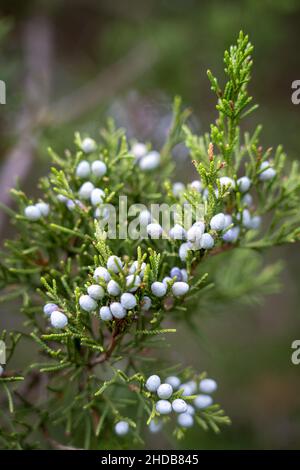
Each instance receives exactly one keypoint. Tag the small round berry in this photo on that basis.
(231, 235)
(226, 181)
(158, 289)
(87, 303)
(185, 420)
(70, 204)
(255, 222)
(58, 319)
(180, 288)
(195, 246)
(246, 218)
(176, 272)
(99, 168)
(193, 385)
(32, 213)
(196, 185)
(102, 213)
(101, 274)
(173, 381)
(207, 241)
(177, 232)
(203, 401)
(155, 426)
(88, 145)
(43, 207)
(83, 169)
(163, 407)
(164, 391)
(208, 386)
(183, 251)
(62, 198)
(150, 161)
(85, 190)
(184, 275)
(136, 267)
(218, 222)
(115, 264)
(49, 308)
(205, 194)
(97, 196)
(244, 184)
(166, 281)
(139, 150)
(187, 389)
(152, 383)
(154, 230)
(121, 428)
(178, 188)
(105, 313)
(199, 223)
(1, 370)
(96, 292)
(247, 200)
(117, 310)
(179, 405)
(145, 217)
(146, 303)
(190, 410)
(128, 301)
(113, 288)
(228, 220)
(195, 233)
(268, 172)
(133, 282)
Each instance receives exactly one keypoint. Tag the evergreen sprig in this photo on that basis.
(98, 348)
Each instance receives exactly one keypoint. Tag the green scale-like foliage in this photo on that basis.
(95, 371)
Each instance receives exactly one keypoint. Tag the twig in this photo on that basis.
(106, 355)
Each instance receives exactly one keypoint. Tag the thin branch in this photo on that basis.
(106, 355)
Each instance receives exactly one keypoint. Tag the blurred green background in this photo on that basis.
(68, 65)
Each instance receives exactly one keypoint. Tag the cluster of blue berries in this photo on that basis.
(125, 298)
(184, 411)
(169, 402)
(37, 211)
(57, 318)
(179, 288)
(266, 171)
(114, 291)
(147, 160)
(70, 203)
(201, 237)
(85, 169)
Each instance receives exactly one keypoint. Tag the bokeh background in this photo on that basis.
(68, 65)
